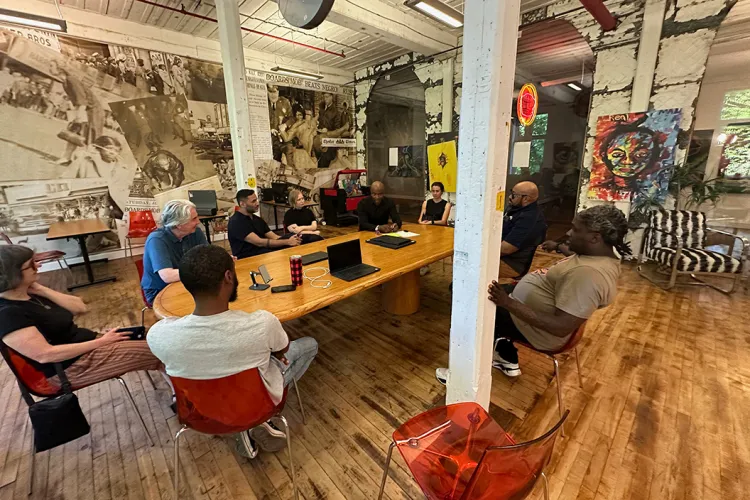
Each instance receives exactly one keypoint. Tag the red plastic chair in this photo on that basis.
(571, 344)
(141, 223)
(227, 405)
(457, 452)
(44, 257)
(36, 383)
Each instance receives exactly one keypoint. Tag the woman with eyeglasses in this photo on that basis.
(37, 323)
(435, 210)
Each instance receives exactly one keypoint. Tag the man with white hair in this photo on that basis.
(166, 246)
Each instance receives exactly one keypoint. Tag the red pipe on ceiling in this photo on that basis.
(600, 12)
(206, 18)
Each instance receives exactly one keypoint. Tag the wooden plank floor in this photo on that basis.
(664, 412)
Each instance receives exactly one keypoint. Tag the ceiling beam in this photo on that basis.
(106, 29)
(376, 18)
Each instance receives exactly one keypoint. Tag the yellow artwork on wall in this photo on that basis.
(443, 164)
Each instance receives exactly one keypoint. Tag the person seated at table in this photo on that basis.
(300, 219)
(375, 211)
(38, 323)
(435, 210)
(214, 342)
(249, 234)
(524, 228)
(165, 247)
(547, 306)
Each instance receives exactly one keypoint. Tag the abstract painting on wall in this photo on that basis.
(634, 156)
(442, 159)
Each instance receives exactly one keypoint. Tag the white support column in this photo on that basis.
(232, 55)
(648, 51)
(490, 36)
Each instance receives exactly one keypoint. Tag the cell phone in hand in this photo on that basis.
(136, 332)
(283, 288)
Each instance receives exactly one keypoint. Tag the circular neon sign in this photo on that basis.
(527, 104)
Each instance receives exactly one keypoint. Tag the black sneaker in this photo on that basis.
(246, 445)
(508, 368)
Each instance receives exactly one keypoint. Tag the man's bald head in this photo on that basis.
(524, 193)
(377, 191)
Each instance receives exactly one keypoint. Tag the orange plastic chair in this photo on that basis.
(227, 405)
(571, 344)
(141, 223)
(458, 452)
(36, 383)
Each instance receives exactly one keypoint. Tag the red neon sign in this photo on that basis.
(527, 104)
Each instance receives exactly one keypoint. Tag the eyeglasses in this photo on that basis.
(516, 195)
(31, 266)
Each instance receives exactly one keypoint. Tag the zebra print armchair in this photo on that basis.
(675, 240)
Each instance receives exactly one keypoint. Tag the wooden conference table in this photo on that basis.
(399, 275)
(79, 230)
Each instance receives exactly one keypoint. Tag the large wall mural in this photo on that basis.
(311, 127)
(94, 130)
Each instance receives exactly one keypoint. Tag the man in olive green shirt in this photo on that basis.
(547, 306)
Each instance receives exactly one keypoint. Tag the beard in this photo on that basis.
(233, 297)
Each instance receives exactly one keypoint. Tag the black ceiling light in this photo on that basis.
(306, 14)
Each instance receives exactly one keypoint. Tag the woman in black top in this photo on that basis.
(436, 210)
(300, 219)
(38, 323)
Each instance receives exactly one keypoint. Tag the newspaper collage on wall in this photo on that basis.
(91, 130)
(311, 130)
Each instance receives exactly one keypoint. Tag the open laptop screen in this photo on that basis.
(344, 255)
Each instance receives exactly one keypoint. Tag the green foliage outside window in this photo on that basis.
(736, 105)
(735, 159)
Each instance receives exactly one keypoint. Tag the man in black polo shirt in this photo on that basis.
(524, 228)
(249, 234)
(375, 212)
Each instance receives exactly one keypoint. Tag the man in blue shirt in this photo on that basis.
(524, 228)
(166, 246)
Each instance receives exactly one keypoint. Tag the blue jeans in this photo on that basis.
(300, 354)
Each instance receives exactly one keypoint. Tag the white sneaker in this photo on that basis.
(441, 374)
(508, 368)
(246, 445)
(268, 437)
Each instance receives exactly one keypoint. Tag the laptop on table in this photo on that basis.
(392, 242)
(345, 261)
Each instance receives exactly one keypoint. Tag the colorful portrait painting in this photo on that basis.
(634, 156)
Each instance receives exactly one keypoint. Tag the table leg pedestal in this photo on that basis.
(89, 271)
(401, 295)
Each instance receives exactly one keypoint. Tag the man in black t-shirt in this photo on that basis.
(375, 212)
(249, 235)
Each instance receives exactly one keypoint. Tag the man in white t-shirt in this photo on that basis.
(214, 342)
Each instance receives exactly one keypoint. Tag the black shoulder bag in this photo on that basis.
(57, 420)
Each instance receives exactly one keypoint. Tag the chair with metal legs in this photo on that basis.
(227, 405)
(571, 344)
(34, 382)
(458, 452)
